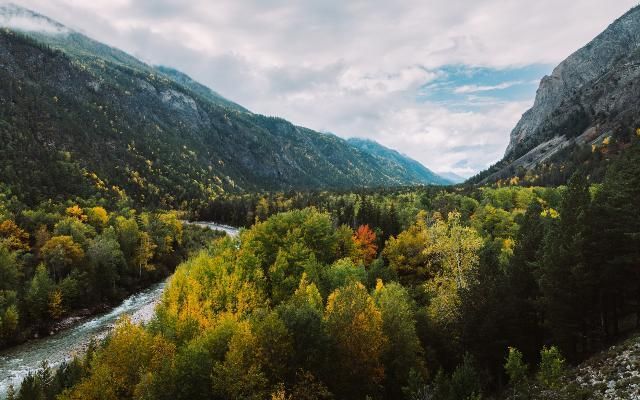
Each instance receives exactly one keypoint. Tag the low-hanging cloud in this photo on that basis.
(15, 18)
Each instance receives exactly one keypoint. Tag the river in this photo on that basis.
(16, 362)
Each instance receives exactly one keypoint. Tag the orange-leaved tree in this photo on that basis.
(366, 247)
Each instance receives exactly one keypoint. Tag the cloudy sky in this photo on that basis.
(443, 81)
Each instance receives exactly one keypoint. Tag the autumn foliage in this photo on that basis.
(366, 247)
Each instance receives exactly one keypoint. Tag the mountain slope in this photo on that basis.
(398, 163)
(198, 88)
(81, 118)
(453, 177)
(590, 96)
(612, 374)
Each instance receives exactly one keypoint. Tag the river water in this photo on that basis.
(16, 362)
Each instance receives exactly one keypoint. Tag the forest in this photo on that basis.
(61, 259)
(423, 293)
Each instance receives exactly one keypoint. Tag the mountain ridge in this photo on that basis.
(74, 106)
(396, 159)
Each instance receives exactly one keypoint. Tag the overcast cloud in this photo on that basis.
(442, 81)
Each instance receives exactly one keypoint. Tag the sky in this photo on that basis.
(441, 81)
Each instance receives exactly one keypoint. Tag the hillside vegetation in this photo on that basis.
(78, 118)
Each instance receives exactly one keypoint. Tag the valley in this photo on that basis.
(336, 267)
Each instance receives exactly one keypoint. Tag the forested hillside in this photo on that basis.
(78, 118)
(394, 160)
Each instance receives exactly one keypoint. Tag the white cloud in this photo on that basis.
(14, 18)
(353, 68)
(480, 88)
(380, 83)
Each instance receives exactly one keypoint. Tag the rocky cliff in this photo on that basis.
(589, 97)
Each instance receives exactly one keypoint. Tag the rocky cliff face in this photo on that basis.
(591, 95)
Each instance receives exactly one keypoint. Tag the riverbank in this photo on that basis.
(16, 362)
(70, 340)
(76, 317)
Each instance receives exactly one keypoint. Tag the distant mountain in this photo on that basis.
(584, 113)
(453, 177)
(78, 117)
(399, 163)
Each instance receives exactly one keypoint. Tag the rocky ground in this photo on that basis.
(614, 373)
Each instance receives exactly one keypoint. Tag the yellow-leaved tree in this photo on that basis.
(455, 247)
(354, 323)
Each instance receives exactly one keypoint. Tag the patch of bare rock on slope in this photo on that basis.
(614, 373)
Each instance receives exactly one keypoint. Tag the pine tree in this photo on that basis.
(614, 223)
(522, 286)
(566, 282)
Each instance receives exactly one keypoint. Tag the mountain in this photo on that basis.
(453, 177)
(584, 113)
(398, 163)
(80, 118)
(196, 87)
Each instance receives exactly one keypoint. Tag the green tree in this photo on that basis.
(354, 324)
(403, 353)
(107, 263)
(9, 269)
(128, 237)
(523, 290)
(240, 374)
(61, 253)
(344, 272)
(37, 295)
(195, 360)
(302, 314)
(517, 370)
(275, 346)
(567, 283)
(165, 230)
(78, 230)
(612, 243)
(552, 368)
(9, 315)
(455, 249)
(466, 382)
